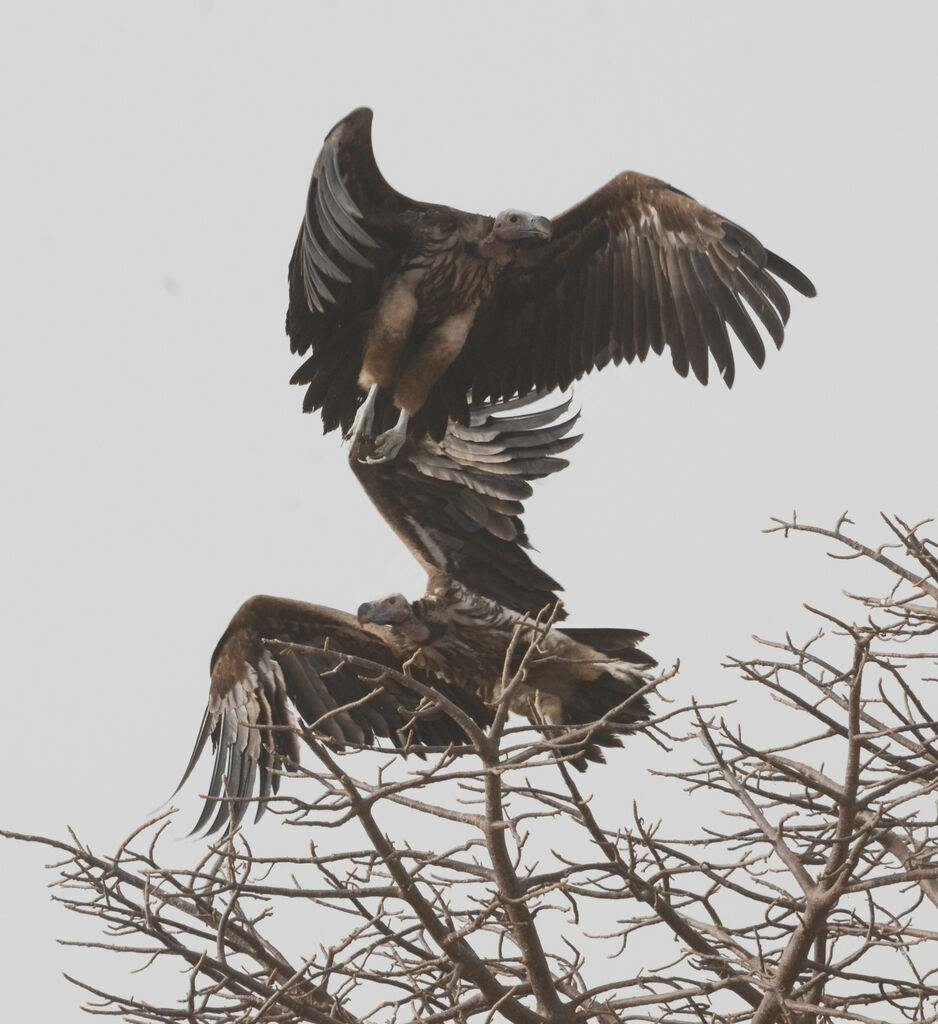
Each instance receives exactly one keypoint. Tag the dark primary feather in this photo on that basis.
(637, 267)
(263, 667)
(457, 503)
(351, 238)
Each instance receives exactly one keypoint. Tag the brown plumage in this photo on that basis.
(426, 304)
(278, 655)
(461, 637)
(457, 504)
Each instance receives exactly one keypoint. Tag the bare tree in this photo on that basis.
(810, 892)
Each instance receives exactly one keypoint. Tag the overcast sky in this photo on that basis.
(158, 471)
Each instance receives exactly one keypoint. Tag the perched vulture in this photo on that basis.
(407, 309)
(457, 504)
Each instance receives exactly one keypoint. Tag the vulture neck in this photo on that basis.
(499, 252)
(469, 635)
(408, 636)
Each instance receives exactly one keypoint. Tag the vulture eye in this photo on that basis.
(513, 219)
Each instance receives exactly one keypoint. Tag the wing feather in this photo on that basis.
(272, 658)
(457, 502)
(689, 316)
(636, 267)
(640, 340)
(354, 232)
(620, 339)
(651, 267)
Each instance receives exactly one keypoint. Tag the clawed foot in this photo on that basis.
(387, 445)
(365, 417)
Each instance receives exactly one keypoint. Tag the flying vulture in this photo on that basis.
(457, 504)
(411, 310)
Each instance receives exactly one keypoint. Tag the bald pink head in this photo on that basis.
(515, 226)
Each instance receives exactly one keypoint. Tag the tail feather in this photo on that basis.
(592, 700)
(617, 643)
(591, 752)
(603, 672)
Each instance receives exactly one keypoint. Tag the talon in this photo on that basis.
(386, 446)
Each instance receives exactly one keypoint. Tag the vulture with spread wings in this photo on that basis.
(457, 504)
(407, 309)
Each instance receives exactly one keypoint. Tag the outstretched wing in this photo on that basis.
(266, 664)
(354, 233)
(457, 503)
(635, 267)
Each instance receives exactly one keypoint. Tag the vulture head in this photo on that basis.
(396, 612)
(516, 229)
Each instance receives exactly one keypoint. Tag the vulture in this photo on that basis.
(457, 504)
(410, 311)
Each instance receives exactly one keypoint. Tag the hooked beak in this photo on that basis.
(384, 613)
(521, 228)
(531, 229)
(541, 229)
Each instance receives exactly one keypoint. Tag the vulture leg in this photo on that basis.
(365, 416)
(388, 444)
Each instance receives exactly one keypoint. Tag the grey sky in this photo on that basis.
(157, 469)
